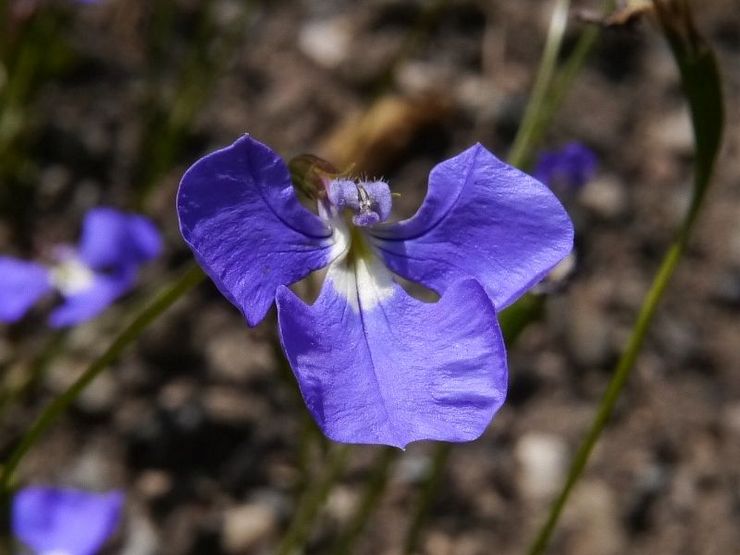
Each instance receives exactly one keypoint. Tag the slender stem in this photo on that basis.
(524, 137)
(428, 494)
(702, 85)
(374, 489)
(535, 123)
(192, 277)
(313, 500)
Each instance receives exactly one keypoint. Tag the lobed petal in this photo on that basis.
(51, 520)
(481, 219)
(21, 285)
(375, 365)
(90, 302)
(240, 216)
(113, 239)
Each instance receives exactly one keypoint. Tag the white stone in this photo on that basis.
(326, 42)
(542, 460)
(246, 526)
(605, 196)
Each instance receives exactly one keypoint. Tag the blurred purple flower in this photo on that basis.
(54, 521)
(90, 276)
(374, 364)
(568, 169)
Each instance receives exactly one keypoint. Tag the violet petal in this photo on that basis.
(21, 285)
(85, 305)
(52, 520)
(240, 216)
(113, 239)
(483, 219)
(377, 366)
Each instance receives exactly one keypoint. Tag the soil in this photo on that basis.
(201, 424)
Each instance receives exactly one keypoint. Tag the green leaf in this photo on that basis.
(701, 82)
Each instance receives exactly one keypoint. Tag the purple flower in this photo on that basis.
(90, 276)
(374, 364)
(568, 169)
(54, 521)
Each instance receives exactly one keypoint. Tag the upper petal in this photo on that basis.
(483, 219)
(65, 520)
(21, 285)
(239, 214)
(375, 365)
(86, 304)
(112, 239)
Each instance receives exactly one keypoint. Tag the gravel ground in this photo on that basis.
(200, 423)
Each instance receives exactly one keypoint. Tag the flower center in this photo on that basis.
(369, 202)
(71, 276)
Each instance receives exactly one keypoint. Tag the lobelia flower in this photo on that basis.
(374, 364)
(90, 276)
(568, 169)
(53, 521)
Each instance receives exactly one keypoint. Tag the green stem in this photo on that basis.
(428, 494)
(374, 489)
(525, 135)
(313, 500)
(702, 87)
(537, 120)
(192, 277)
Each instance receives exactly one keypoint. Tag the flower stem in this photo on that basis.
(551, 87)
(313, 499)
(428, 494)
(192, 277)
(702, 87)
(374, 489)
(521, 148)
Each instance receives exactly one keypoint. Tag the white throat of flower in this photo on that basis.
(70, 277)
(56, 552)
(357, 273)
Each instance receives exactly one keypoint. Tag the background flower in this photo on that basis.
(65, 521)
(90, 276)
(568, 169)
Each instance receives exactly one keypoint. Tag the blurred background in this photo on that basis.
(109, 102)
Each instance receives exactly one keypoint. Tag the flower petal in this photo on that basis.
(21, 285)
(483, 219)
(88, 303)
(64, 520)
(377, 366)
(240, 216)
(113, 239)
